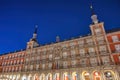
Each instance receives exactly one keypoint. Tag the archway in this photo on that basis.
(10, 76)
(74, 76)
(65, 76)
(49, 76)
(24, 77)
(17, 76)
(29, 77)
(36, 77)
(96, 75)
(42, 77)
(14, 76)
(109, 75)
(56, 76)
(86, 76)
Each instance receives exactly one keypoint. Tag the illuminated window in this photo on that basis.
(103, 48)
(50, 57)
(93, 61)
(73, 63)
(115, 38)
(117, 47)
(98, 31)
(43, 66)
(106, 60)
(82, 52)
(65, 54)
(72, 53)
(31, 67)
(65, 64)
(50, 65)
(37, 66)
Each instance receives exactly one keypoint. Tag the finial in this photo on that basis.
(92, 10)
(36, 27)
(94, 16)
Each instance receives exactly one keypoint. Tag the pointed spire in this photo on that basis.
(36, 28)
(92, 10)
(35, 33)
(93, 16)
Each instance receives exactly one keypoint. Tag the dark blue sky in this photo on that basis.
(66, 18)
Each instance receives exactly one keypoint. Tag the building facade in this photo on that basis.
(91, 57)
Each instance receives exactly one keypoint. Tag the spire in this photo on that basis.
(34, 38)
(93, 16)
(92, 10)
(36, 27)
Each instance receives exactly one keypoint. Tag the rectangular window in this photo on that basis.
(115, 38)
(117, 48)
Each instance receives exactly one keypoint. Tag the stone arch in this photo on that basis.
(96, 75)
(36, 77)
(75, 76)
(24, 77)
(65, 76)
(42, 76)
(109, 75)
(13, 77)
(85, 75)
(10, 76)
(17, 76)
(49, 76)
(29, 77)
(56, 76)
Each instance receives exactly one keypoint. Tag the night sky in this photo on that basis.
(65, 18)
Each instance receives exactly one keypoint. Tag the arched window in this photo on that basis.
(86, 76)
(72, 53)
(82, 52)
(64, 54)
(96, 75)
(109, 75)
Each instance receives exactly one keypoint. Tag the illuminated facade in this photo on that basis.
(92, 57)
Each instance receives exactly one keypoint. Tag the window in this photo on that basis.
(50, 65)
(72, 43)
(91, 51)
(65, 64)
(43, 66)
(102, 48)
(26, 68)
(82, 52)
(105, 60)
(83, 62)
(65, 54)
(38, 58)
(98, 31)
(89, 41)
(32, 59)
(93, 61)
(72, 53)
(50, 57)
(37, 66)
(81, 42)
(31, 67)
(73, 62)
(117, 47)
(115, 38)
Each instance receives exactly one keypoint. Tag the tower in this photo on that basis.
(100, 40)
(33, 41)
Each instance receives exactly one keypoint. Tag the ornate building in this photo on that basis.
(91, 57)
